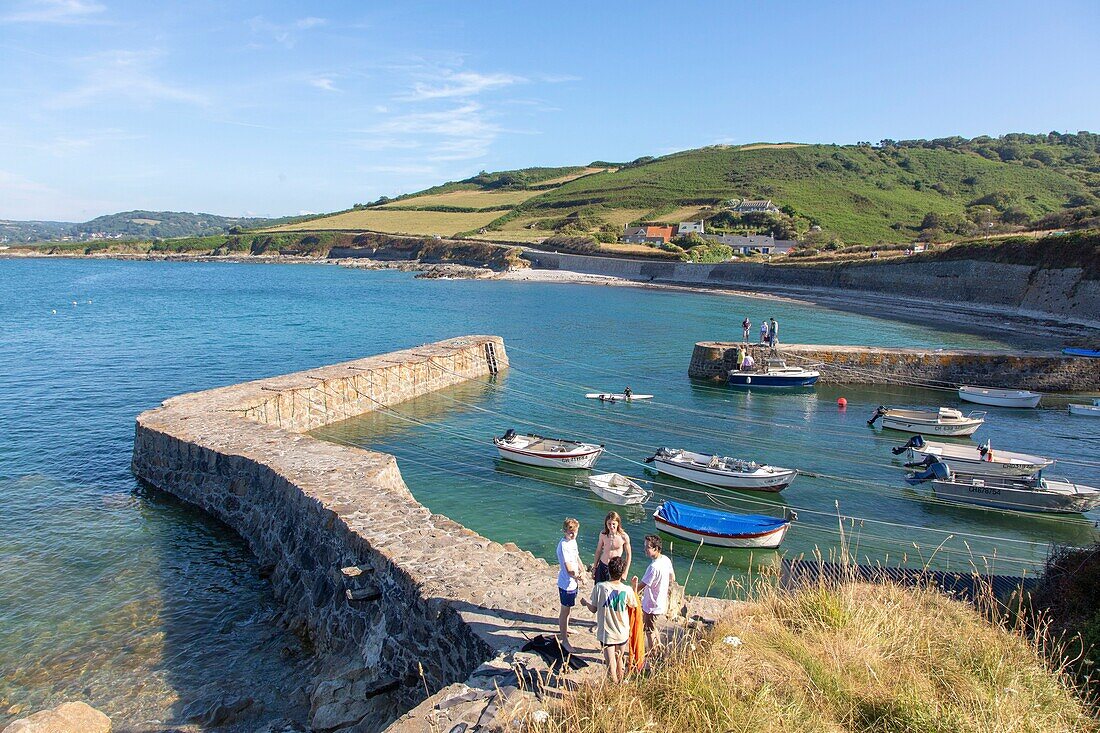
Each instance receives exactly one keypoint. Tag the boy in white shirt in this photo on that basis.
(653, 589)
(569, 561)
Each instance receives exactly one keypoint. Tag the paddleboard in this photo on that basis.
(612, 397)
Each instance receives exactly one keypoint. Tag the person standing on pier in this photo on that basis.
(614, 542)
(569, 562)
(773, 333)
(763, 332)
(746, 326)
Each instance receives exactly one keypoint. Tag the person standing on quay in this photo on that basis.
(746, 326)
(569, 573)
(773, 333)
(763, 332)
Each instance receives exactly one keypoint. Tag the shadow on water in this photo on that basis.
(224, 651)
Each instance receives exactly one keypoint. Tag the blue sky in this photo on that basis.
(270, 109)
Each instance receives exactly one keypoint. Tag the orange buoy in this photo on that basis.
(842, 403)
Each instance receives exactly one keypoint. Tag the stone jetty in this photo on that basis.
(1039, 370)
(418, 619)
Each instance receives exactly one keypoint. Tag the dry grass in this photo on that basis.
(776, 146)
(467, 199)
(687, 213)
(395, 222)
(864, 658)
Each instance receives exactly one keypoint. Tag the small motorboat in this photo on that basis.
(945, 421)
(721, 529)
(1016, 493)
(723, 473)
(775, 373)
(978, 460)
(535, 450)
(1092, 410)
(617, 396)
(999, 397)
(618, 489)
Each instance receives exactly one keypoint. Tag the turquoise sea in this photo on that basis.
(121, 596)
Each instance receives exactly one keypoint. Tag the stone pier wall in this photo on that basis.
(399, 601)
(1043, 371)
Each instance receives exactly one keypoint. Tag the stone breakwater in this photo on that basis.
(1044, 371)
(399, 602)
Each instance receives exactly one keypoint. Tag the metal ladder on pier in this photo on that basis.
(491, 358)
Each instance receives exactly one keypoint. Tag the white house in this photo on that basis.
(689, 227)
(764, 244)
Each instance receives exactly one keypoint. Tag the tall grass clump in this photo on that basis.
(845, 656)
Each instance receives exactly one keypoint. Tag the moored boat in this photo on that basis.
(1086, 410)
(978, 460)
(1089, 353)
(775, 373)
(618, 489)
(945, 421)
(721, 529)
(723, 473)
(535, 450)
(999, 397)
(1015, 493)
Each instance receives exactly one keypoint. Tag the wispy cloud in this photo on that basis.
(127, 75)
(285, 34)
(459, 133)
(452, 84)
(326, 83)
(68, 12)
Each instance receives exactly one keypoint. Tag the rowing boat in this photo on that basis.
(723, 473)
(618, 489)
(720, 529)
(999, 397)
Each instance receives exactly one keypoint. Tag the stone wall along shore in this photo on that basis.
(1065, 293)
(1042, 371)
(401, 602)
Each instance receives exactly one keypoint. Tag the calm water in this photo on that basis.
(126, 599)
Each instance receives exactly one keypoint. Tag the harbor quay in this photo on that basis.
(417, 620)
(1035, 370)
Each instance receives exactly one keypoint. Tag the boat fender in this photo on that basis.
(509, 435)
(878, 413)
(748, 380)
(792, 516)
(915, 442)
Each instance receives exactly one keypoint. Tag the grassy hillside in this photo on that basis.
(166, 224)
(892, 192)
(852, 658)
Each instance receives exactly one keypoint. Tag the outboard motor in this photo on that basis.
(936, 471)
(878, 413)
(922, 463)
(915, 442)
(508, 436)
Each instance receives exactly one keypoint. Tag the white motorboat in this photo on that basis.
(617, 396)
(535, 450)
(723, 473)
(945, 421)
(1086, 410)
(978, 460)
(775, 373)
(999, 397)
(618, 489)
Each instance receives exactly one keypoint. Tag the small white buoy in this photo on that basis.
(74, 302)
(89, 302)
(54, 311)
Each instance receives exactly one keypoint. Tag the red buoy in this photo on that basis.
(842, 403)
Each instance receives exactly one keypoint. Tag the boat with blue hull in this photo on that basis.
(775, 373)
(721, 529)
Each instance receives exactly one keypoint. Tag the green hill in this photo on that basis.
(891, 192)
(166, 224)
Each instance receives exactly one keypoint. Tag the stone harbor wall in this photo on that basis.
(394, 596)
(403, 606)
(1064, 293)
(1042, 371)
